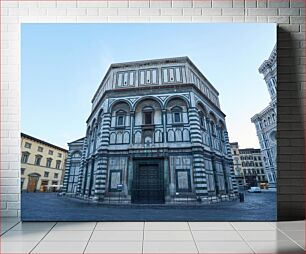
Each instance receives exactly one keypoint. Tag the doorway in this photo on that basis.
(148, 182)
(32, 184)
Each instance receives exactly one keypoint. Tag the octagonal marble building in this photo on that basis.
(155, 133)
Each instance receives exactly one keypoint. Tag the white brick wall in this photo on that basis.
(288, 13)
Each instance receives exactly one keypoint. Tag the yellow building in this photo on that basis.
(42, 165)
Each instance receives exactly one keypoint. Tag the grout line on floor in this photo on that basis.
(14, 225)
(246, 242)
(143, 232)
(193, 237)
(42, 238)
(273, 225)
(290, 238)
(90, 237)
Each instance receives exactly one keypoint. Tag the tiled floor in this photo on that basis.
(152, 237)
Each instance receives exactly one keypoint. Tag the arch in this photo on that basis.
(272, 136)
(158, 137)
(221, 124)
(99, 117)
(138, 102)
(213, 117)
(119, 137)
(148, 111)
(117, 102)
(34, 174)
(126, 137)
(88, 130)
(112, 139)
(178, 135)
(76, 154)
(93, 123)
(180, 97)
(201, 107)
(137, 137)
(176, 110)
(171, 135)
(186, 135)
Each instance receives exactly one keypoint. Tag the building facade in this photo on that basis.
(265, 121)
(239, 174)
(248, 167)
(156, 131)
(253, 167)
(42, 165)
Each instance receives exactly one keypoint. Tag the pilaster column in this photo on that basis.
(164, 115)
(132, 117)
(82, 166)
(208, 125)
(227, 144)
(215, 173)
(95, 137)
(226, 177)
(101, 174)
(67, 172)
(199, 175)
(195, 130)
(105, 130)
(233, 178)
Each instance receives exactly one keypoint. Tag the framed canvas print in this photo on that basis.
(148, 122)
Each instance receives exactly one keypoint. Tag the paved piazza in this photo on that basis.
(50, 207)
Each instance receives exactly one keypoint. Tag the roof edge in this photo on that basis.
(23, 135)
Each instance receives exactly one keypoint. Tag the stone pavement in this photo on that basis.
(50, 207)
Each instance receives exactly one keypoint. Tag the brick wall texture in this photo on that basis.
(288, 14)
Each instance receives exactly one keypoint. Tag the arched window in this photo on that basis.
(148, 115)
(120, 118)
(148, 140)
(49, 161)
(58, 164)
(202, 120)
(37, 160)
(221, 133)
(76, 155)
(25, 157)
(177, 114)
(213, 128)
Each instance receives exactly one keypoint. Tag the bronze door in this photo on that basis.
(148, 184)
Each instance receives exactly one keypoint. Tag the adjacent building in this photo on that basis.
(237, 165)
(248, 167)
(42, 165)
(156, 132)
(253, 168)
(265, 121)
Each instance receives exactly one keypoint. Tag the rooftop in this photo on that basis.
(182, 59)
(23, 135)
